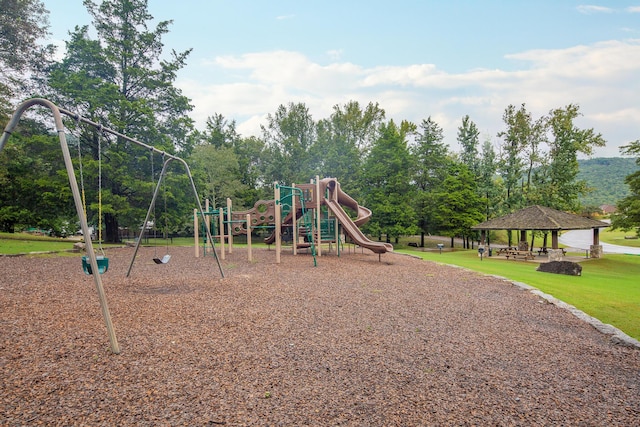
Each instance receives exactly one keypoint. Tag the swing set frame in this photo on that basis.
(73, 183)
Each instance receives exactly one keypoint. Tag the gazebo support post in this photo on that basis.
(555, 254)
(595, 250)
(522, 243)
(554, 239)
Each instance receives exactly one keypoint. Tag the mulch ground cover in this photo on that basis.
(353, 341)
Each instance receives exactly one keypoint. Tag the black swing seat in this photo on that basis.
(103, 264)
(165, 259)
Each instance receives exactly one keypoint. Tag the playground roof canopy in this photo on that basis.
(540, 218)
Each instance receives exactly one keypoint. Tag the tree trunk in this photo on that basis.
(422, 239)
(111, 229)
(452, 240)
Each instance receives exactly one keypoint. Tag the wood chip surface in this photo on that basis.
(351, 342)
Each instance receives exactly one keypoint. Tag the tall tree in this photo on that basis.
(562, 188)
(627, 216)
(431, 160)
(459, 206)
(122, 80)
(216, 162)
(24, 24)
(344, 140)
(387, 178)
(469, 139)
(289, 135)
(511, 163)
(489, 187)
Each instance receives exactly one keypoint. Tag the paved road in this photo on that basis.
(582, 239)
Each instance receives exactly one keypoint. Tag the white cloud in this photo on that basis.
(633, 9)
(589, 9)
(600, 78)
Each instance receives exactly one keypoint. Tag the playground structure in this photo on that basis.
(306, 215)
(91, 262)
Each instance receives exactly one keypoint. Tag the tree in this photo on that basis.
(387, 182)
(23, 26)
(289, 136)
(215, 162)
(343, 142)
(468, 137)
(459, 206)
(488, 185)
(218, 170)
(250, 154)
(34, 189)
(627, 215)
(511, 163)
(562, 188)
(121, 80)
(430, 164)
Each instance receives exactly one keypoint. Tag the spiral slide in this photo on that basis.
(351, 227)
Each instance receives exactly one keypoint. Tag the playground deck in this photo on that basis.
(353, 341)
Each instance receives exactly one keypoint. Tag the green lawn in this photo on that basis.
(608, 289)
(617, 237)
(18, 243)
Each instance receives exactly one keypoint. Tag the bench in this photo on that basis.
(520, 254)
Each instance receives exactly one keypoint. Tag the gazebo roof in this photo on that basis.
(540, 218)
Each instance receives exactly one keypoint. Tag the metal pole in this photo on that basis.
(146, 219)
(115, 348)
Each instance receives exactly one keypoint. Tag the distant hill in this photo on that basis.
(606, 176)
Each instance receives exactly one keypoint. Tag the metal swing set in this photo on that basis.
(91, 260)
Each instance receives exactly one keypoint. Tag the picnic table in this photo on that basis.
(525, 255)
(545, 250)
(506, 250)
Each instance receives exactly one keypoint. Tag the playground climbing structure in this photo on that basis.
(300, 214)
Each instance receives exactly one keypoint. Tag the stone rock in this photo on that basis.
(561, 267)
(79, 246)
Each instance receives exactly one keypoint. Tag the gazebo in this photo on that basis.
(541, 218)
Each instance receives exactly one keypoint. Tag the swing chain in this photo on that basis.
(100, 132)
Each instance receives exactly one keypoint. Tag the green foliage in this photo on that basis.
(562, 188)
(343, 142)
(628, 214)
(511, 163)
(458, 205)
(23, 26)
(468, 137)
(121, 80)
(289, 136)
(431, 161)
(605, 179)
(34, 189)
(387, 187)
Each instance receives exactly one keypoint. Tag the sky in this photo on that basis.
(415, 58)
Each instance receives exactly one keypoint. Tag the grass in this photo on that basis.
(608, 289)
(617, 237)
(18, 243)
